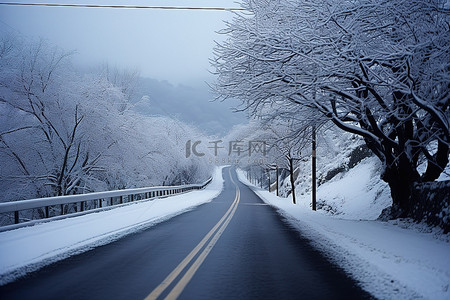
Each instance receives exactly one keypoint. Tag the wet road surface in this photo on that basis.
(234, 247)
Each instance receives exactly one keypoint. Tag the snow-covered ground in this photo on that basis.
(30, 248)
(356, 194)
(390, 260)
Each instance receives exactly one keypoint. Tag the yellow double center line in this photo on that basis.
(215, 233)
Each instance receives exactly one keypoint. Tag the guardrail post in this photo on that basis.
(87, 202)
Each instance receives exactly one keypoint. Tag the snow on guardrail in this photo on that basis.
(98, 199)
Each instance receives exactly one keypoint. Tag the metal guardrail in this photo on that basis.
(99, 199)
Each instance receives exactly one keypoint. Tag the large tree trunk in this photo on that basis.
(401, 177)
(401, 197)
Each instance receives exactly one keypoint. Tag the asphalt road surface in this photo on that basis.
(234, 247)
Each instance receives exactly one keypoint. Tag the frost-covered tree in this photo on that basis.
(40, 126)
(63, 132)
(378, 69)
(286, 145)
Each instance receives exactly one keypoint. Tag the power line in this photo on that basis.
(123, 6)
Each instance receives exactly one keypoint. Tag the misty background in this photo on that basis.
(194, 105)
(170, 50)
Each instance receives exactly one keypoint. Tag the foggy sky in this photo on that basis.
(163, 44)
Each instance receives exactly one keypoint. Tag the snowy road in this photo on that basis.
(234, 247)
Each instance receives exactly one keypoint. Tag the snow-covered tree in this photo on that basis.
(286, 145)
(40, 124)
(63, 132)
(378, 69)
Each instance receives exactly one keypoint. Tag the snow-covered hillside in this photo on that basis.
(348, 179)
(356, 194)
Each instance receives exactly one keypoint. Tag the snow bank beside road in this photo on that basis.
(388, 261)
(30, 248)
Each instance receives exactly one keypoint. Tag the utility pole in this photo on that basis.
(262, 177)
(278, 194)
(274, 167)
(314, 167)
(291, 177)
